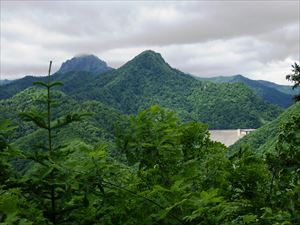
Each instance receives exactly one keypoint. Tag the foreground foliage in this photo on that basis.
(295, 78)
(170, 173)
(264, 139)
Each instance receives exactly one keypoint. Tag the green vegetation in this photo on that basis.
(295, 78)
(280, 95)
(97, 127)
(147, 80)
(167, 173)
(75, 159)
(264, 138)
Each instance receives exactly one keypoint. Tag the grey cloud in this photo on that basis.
(16, 71)
(127, 25)
(219, 33)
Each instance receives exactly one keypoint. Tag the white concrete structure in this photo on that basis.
(228, 137)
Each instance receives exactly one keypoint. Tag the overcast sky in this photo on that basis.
(259, 39)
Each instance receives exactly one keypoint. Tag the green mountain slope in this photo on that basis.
(280, 95)
(264, 138)
(98, 126)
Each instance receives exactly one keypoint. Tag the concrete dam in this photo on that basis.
(228, 137)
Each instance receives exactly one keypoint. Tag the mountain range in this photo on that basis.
(147, 80)
(281, 95)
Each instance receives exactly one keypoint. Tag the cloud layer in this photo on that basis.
(259, 39)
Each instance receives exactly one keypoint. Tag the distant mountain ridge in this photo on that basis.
(287, 89)
(281, 95)
(5, 81)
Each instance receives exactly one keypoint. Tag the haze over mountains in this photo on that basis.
(147, 80)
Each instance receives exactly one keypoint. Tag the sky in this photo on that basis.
(258, 39)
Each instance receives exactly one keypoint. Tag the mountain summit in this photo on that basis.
(148, 60)
(87, 63)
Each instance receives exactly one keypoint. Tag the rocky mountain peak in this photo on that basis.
(87, 63)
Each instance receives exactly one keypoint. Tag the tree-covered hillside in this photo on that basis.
(280, 95)
(264, 139)
(98, 125)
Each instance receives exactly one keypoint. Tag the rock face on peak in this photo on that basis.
(87, 63)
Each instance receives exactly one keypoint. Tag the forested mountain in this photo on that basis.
(147, 80)
(281, 95)
(264, 138)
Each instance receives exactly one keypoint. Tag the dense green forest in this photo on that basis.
(68, 160)
(147, 80)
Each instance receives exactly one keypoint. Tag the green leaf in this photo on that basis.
(249, 218)
(40, 83)
(99, 153)
(55, 83)
(35, 117)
